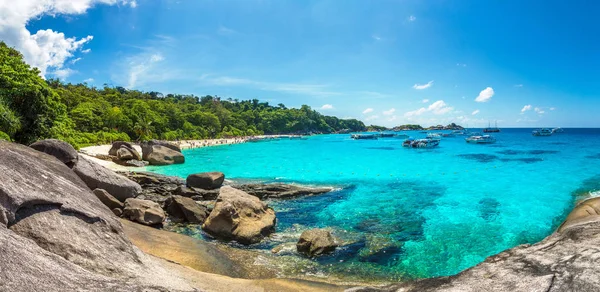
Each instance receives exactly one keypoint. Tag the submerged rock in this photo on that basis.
(63, 151)
(316, 242)
(239, 216)
(98, 177)
(206, 180)
(280, 191)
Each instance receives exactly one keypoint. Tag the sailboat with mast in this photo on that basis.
(489, 129)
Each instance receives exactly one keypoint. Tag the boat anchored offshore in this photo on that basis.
(363, 137)
(420, 143)
(434, 136)
(489, 129)
(542, 132)
(557, 130)
(485, 139)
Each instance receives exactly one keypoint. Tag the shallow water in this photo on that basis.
(415, 213)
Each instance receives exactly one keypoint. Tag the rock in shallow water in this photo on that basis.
(184, 209)
(316, 242)
(239, 216)
(280, 191)
(161, 153)
(206, 180)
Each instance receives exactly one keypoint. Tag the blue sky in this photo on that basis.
(522, 63)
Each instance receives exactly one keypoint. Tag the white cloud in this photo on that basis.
(475, 112)
(75, 60)
(225, 30)
(461, 64)
(437, 108)
(392, 118)
(518, 85)
(133, 4)
(412, 18)
(526, 108)
(485, 95)
(63, 73)
(308, 89)
(425, 100)
(377, 38)
(366, 111)
(370, 118)
(389, 112)
(48, 50)
(552, 108)
(327, 107)
(423, 86)
(415, 112)
(140, 66)
(86, 51)
(89, 80)
(539, 110)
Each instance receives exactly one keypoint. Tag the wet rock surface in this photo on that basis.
(280, 191)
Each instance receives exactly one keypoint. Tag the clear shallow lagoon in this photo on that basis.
(415, 213)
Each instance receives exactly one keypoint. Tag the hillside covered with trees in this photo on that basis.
(32, 108)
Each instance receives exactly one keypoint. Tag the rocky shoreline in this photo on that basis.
(59, 215)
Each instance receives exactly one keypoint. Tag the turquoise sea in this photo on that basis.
(415, 213)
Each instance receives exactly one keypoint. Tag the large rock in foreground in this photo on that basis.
(143, 211)
(240, 217)
(98, 177)
(565, 261)
(161, 153)
(107, 199)
(57, 236)
(63, 151)
(316, 242)
(206, 180)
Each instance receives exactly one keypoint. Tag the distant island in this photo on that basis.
(410, 127)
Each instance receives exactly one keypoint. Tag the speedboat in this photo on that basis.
(485, 139)
(542, 132)
(363, 137)
(458, 133)
(420, 143)
(434, 136)
(557, 130)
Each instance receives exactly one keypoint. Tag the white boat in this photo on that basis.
(557, 130)
(434, 136)
(420, 143)
(542, 132)
(363, 137)
(485, 139)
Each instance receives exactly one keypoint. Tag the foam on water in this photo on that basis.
(413, 213)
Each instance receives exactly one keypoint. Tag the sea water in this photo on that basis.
(414, 213)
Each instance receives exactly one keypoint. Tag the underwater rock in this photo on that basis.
(483, 158)
(280, 191)
(316, 242)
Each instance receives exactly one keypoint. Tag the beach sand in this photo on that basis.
(93, 151)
